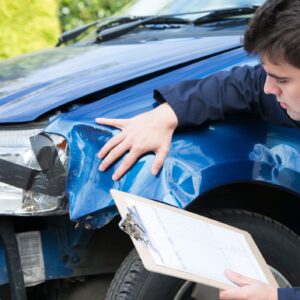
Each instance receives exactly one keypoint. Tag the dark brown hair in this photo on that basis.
(274, 32)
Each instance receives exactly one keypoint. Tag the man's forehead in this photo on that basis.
(265, 60)
(279, 70)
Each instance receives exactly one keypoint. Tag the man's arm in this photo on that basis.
(240, 90)
(289, 293)
(188, 103)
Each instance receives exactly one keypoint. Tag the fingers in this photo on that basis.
(119, 123)
(113, 155)
(238, 279)
(128, 162)
(139, 135)
(133, 156)
(159, 160)
(113, 142)
(118, 146)
(130, 159)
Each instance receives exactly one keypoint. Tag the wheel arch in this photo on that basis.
(277, 203)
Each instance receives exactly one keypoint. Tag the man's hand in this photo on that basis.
(148, 132)
(249, 289)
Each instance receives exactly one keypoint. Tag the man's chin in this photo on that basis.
(293, 116)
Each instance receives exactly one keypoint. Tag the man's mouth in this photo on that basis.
(283, 105)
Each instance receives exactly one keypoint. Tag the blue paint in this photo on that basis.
(32, 85)
(199, 160)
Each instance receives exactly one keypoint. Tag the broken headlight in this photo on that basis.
(33, 168)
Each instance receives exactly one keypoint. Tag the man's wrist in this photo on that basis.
(273, 293)
(169, 115)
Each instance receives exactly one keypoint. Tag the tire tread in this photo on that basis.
(129, 277)
(215, 214)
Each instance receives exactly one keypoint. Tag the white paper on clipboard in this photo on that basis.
(192, 247)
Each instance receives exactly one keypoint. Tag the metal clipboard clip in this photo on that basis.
(133, 225)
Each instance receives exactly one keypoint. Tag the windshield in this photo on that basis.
(140, 12)
(154, 7)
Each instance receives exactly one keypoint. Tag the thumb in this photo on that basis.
(119, 123)
(237, 278)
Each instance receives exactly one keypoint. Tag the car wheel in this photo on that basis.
(278, 244)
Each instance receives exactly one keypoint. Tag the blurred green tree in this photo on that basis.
(74, 13)
(27, 25)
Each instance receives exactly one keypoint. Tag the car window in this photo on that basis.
(142, 7)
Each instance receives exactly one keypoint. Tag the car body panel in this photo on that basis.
(199, 160)
(36, 84)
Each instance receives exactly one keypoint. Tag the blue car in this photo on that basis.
(59, 235)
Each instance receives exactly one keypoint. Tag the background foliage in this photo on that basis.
(27, 25)
(74, 13)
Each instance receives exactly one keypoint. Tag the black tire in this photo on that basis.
(132, 281)
(279, 246)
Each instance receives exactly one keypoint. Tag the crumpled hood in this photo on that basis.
(34, 84)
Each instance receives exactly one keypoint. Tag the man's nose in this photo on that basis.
(271, 86)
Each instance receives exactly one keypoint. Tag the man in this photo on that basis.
(271, 89)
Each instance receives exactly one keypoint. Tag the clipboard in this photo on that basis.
(133, 224)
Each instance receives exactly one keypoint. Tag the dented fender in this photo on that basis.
(200, 159)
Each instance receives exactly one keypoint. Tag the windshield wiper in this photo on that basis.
(73, 33)
(114, 32)
(222, 14)
(117, 26)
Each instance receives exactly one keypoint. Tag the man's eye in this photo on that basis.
(281, 81)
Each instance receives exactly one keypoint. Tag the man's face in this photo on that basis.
(283, 80)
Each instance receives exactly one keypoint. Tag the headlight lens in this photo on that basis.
(15, 147)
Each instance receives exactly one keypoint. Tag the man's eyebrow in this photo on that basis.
(273, 75)
(278, 77)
